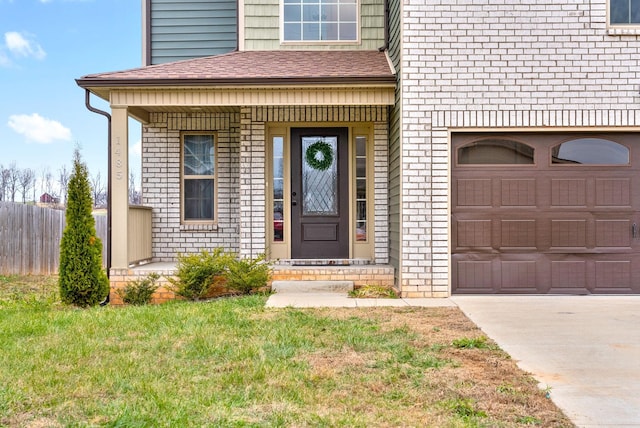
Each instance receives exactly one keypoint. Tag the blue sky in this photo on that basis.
(44, 46)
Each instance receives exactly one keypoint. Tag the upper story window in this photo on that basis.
(198, 177)
(623, 12)
(320, 20)
(495, 151)
(590, 151)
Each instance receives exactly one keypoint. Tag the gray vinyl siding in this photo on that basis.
(262, 27)
(190, 29)
(395, 146)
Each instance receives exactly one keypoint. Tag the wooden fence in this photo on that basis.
(30, 239)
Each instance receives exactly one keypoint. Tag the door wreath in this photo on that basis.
(325, 158)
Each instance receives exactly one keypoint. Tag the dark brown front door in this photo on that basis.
(319, 193)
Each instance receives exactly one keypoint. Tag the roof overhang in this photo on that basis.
(280, 78)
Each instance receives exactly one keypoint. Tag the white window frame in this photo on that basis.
(321, 42)
(623, 27)
(184, 177)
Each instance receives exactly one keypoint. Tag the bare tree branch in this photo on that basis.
(26, 179)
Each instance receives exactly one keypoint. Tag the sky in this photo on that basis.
(44, 46)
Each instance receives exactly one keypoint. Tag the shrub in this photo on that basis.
(139, 292)
(248, 275)
(82, 281)
(374, 292)
(198, 273)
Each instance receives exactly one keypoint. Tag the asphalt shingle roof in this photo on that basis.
(257, 67)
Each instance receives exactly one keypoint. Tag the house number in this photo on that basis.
(118, 159)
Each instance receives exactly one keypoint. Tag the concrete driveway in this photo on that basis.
(585, 348)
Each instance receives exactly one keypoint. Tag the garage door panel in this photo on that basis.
(518, 192)
(473, 193)
(568, 192)
(475, 276)
(473, 234)
(569, 233)
(519, 276)
(569, 275)
(613, 276)
(613, 233)
(613, 192)
(520, 234)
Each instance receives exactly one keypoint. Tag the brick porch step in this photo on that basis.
(359, 275)
(317, 286)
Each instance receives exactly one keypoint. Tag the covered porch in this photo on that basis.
(249, 117)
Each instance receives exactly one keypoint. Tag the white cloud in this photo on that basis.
(23, 45)
(136, 149)
(4, 60)
(39, 129)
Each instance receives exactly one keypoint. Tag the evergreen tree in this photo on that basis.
(82, 280)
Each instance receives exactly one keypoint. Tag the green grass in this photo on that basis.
(228, 362)
(182, 364)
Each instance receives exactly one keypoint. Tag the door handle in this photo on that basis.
(634, 231)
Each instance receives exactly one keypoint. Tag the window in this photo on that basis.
(198, 177)
(278, 188)
(590, 151)
(361, 188)
(624, 12)
(320, 20)
(495, 151)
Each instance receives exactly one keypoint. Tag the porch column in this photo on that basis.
(252, 182)
(119, 170)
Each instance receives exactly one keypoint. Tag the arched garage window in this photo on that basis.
(590, 151)
(495, 151)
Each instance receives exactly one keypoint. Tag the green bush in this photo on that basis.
(82, 281)
(139, 292)
(248, 275)
(209, 274)
(198, 273)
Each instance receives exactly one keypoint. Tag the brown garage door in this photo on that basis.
(546, 213)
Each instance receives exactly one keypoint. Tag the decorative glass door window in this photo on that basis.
(320, 176)
(320, 20)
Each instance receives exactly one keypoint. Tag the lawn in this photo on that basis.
(234, 363)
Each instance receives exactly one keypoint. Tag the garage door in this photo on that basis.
(545, 213)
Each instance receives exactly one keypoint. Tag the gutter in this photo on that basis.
(87, 103)
(97, 82)
(387, 15)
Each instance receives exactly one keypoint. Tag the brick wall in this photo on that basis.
(161, 183)
(241, 209)
(491, 65)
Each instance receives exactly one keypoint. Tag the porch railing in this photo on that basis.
(139, 244)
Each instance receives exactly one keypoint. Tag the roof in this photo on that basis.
(276, 67)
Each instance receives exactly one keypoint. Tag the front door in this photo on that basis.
(319, 193)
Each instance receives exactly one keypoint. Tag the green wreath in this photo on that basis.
(311, 155)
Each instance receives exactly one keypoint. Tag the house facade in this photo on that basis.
(454, 146)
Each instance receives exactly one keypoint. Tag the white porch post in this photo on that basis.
(119, 170)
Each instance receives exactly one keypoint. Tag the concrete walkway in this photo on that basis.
(586, 349)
